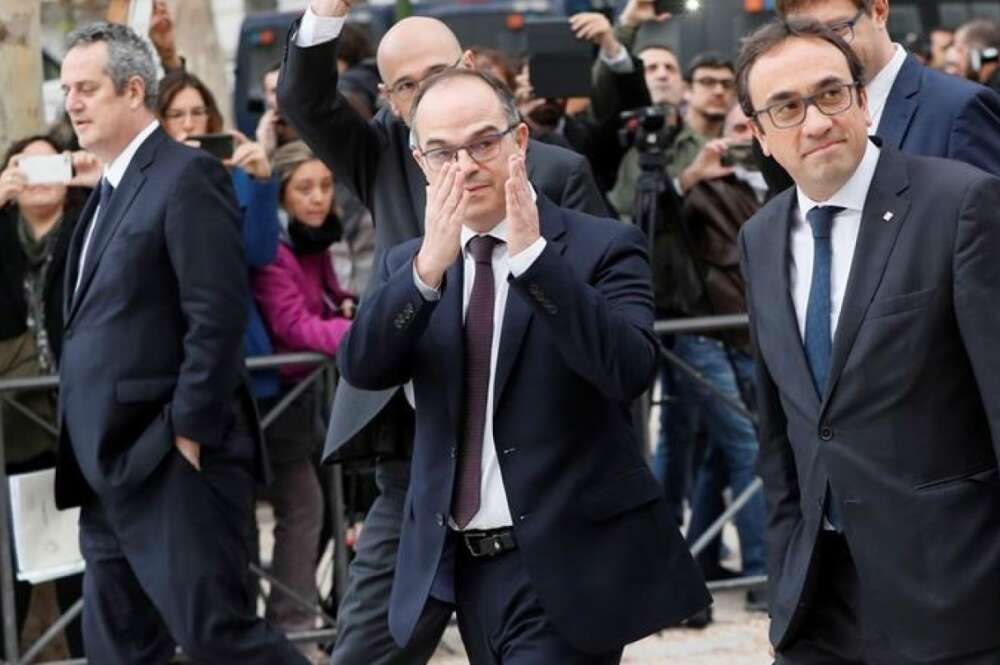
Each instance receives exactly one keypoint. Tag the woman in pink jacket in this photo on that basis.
(305, 309)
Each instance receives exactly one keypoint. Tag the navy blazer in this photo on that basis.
(937, 115)
(153, 341)
(576, 347)
(907, 432)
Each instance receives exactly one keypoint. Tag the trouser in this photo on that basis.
(168, 565)
(363, 618)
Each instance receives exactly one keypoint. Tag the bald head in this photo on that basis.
(416, 38)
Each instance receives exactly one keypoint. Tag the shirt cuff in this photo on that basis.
(520, 262)
(428, 293)
(315, 29)
(621, 63)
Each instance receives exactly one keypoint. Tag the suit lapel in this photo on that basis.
(901, 104)
(518, 313)
(876, 238)
(775, 269)
(73, 258)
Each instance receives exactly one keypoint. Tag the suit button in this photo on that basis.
(439, 518)
(453, 453)
(522, 517)
(826, 433)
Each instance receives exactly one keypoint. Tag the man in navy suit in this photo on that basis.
(530, 506)
(159, 440)
(872, 288)
(914, 108)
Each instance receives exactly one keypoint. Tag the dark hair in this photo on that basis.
(498, 87)
(708, 60)
(178, 80)
(786, 7)
(353, 45)
(498, 59)
(273, 67)
(776, 33)
(21, 144)
(981, 33)
(128, 56)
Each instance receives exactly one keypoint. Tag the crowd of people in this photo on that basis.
(414, 208)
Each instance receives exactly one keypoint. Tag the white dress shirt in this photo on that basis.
(493, 512)
(113, 173)
(881, 85)
(843, 237)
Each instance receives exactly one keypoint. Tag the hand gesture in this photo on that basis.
(637, 12)
(522, 213)
(331, 7)
(595, 27)
(162, 35)
(250, 157)
(86, 169)
(12, 181)
(707, 165)
(445, 212)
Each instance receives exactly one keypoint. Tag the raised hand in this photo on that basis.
(443, 218)
(87, 169)
(522, 214)
(596, 28)
(249, 156)
(12, 181)
(331, 7)
(637, 12)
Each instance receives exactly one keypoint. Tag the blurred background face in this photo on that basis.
(663, 76)
(271, 89)
(941, 41)
(737, 127)
(40, 196)
(308, 195)
(713, 92)
(542, 112)
(869, 31)
(186, 115)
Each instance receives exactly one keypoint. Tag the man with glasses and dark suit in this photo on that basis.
(872, 288)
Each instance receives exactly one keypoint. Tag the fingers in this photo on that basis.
(239, 137)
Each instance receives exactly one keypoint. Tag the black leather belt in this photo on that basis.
(489, 543)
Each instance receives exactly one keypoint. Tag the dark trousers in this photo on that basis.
(363, 618)
(169, 565)
(833, 630)
(501, 618)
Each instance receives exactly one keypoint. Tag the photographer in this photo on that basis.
(977, 52)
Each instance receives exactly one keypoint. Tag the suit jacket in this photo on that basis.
(374, 160)
(153, 337)
(908, 431)
(576, 347)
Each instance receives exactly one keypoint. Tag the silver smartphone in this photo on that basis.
(46, 169)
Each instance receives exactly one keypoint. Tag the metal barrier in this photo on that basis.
(324, 372)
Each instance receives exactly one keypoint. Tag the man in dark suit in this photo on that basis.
(159, 442)
(914, 108)
(531, 509)
(872, 288)
(374, 160)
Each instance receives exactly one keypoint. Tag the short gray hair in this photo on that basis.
(128, 55)
(507, 103)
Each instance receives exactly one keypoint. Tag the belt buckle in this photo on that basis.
(479, 549)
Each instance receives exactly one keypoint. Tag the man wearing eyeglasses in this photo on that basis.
(527, 331)
(914, 108)
(374, 160)
(872, 288)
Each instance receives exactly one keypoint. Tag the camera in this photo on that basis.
(650, 128)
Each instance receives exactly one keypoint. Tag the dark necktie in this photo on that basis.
(94, 232)
(819, 334)
(478, 347)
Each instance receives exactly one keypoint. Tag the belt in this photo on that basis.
(485, 544)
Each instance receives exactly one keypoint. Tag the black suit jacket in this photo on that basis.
(153, 338)
(908, 431)
(577, 346)
(374, 159)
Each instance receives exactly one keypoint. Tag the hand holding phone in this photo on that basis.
(219, 146)
(46, 169)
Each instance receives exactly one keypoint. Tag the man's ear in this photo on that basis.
(863, 104)
(136, 90)
(422, 163)
(383, 93)
(758, 133)
(880, 13)
(469, 59)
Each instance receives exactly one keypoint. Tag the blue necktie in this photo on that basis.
(819, 332)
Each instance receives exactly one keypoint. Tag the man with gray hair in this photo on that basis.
(976, 51)
(159, 446)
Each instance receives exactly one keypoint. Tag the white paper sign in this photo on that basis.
(46, 539)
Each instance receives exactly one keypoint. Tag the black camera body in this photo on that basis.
(650, 129)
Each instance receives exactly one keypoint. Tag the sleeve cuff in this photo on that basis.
(520, 262)
(621, 63)
(428, 293)
(315, 29)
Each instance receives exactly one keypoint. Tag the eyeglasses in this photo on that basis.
(177, 114)
(710, 82)
(479, 150)
(846, 28)
(791, 112)
(408, 87)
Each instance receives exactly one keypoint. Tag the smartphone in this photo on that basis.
(46, 169)
(219, 146)
(560, 64)
(740, 154)
(671, 6)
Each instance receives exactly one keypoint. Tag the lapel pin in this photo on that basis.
(887, 216)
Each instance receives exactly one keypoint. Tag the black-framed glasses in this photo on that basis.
(408, 87)
(480, 149)
(791, 112)
(846, 28)
(711, 82)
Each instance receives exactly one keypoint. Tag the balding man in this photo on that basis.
(373, 158)
(526, 330)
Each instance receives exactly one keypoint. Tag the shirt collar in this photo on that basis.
(115, 171)
(854, 192)
(499, 231)
(881, 84)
